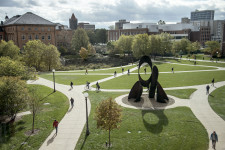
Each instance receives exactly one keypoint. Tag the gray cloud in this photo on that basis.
(9, 3)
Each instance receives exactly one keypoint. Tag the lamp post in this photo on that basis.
(87, 130)
(53, 71)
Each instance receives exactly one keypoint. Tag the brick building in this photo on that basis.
(22, 28)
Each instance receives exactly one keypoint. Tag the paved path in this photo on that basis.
(72, 124)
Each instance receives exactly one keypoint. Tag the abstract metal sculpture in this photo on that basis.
(137, 88)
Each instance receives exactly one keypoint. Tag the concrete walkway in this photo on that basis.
(72, 124)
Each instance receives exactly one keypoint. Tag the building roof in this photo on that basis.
(28, 18)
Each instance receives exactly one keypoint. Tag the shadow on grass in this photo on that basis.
(46, 96)
(157, 127)
(21, 146)
(84, 142)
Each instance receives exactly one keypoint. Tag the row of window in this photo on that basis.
(36, 37)
(35, 29)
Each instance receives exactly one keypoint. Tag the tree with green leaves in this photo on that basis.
(161, 22)
(125, 44)
(80, 39)
(83, 53)
(166, 43)
(101, 35)
(15, 68)
(91, 50)
(193, 47)
(91, 36)
(108, 115)
(9, 49)
(13, 96)
(155, 45)
(34, 103)
(34, 53)
(212, 47)
(141, 45)
(51, 57)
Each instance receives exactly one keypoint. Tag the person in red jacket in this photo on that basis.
(55, 125)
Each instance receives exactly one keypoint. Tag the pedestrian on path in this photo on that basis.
(128, 72)
(71, 84)
(97, 86)
(55, 125)
(207, 89)
(86, 71)
(172, 70)
(122, 70)
(213, 82)
(145, 70)
(71, 101)
(115, 74)
(214, 139)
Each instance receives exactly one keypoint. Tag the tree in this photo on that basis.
(125, 44)
(91, 50)
(51, 57)
(193, 47)
(181, 46)
(155, 45)
(112, 27)
(108, 115)
(15, 68)
(13, 96)
(166, 43)
(141, 45)
(34, 53)
(83, 53)
(9, 49)
(161, 22)
(212, 46)
(101, 35)
(34, 103)
(92, 36)
(80, 39)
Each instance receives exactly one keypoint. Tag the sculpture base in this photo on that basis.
(146, 102)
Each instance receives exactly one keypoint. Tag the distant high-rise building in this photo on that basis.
(73, 22)
(202, 15)
(119, 25)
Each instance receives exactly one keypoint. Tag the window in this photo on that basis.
(36, 29)
(42, 29)
(49, 37)
(29, 29)
(22, 28)
(36, 37)
(43, 37)
(23, 37)
(30, 37)
(1, 37)
(49, 29)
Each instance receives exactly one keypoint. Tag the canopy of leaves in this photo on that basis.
(141, 45)
(91, 50)
(212, 46)
(91, 36)
(9, 49)
(80, 39)
(15, 68)
(13, 96)
(83, 53)
(108, 115)
(101, 35)
(125, 44)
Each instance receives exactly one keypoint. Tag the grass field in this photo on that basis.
(167, 79)
(55, 110)
(76, 79)
(170, 129)
(182, 93)
(217, 101)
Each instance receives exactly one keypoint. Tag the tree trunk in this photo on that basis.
(33, 120)
(109, 138)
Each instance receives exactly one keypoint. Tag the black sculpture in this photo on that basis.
(137, 88)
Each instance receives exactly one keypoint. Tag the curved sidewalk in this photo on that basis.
(72, 124)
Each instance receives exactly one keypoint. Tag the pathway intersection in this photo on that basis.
(71, 126)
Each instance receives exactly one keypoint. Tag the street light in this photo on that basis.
(53, 71)
(87, 130)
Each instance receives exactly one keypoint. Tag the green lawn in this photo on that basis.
(76, 79)
(59, 105)
(167, 67)
(182, 93)
(167, 79)
(217, 101)
(192, 62)
(171, 129)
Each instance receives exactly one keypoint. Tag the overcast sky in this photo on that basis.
(104, 13)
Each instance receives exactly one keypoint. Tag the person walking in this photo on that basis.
(172, 70)
(115, 74)
(145, 70)
(86, 71)
(122, 70)
(97, 86)
(207, 89)
(55, 125)
(213, 82)
(71, 84)
(214, 139)
(128, 71)
(71, 101)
